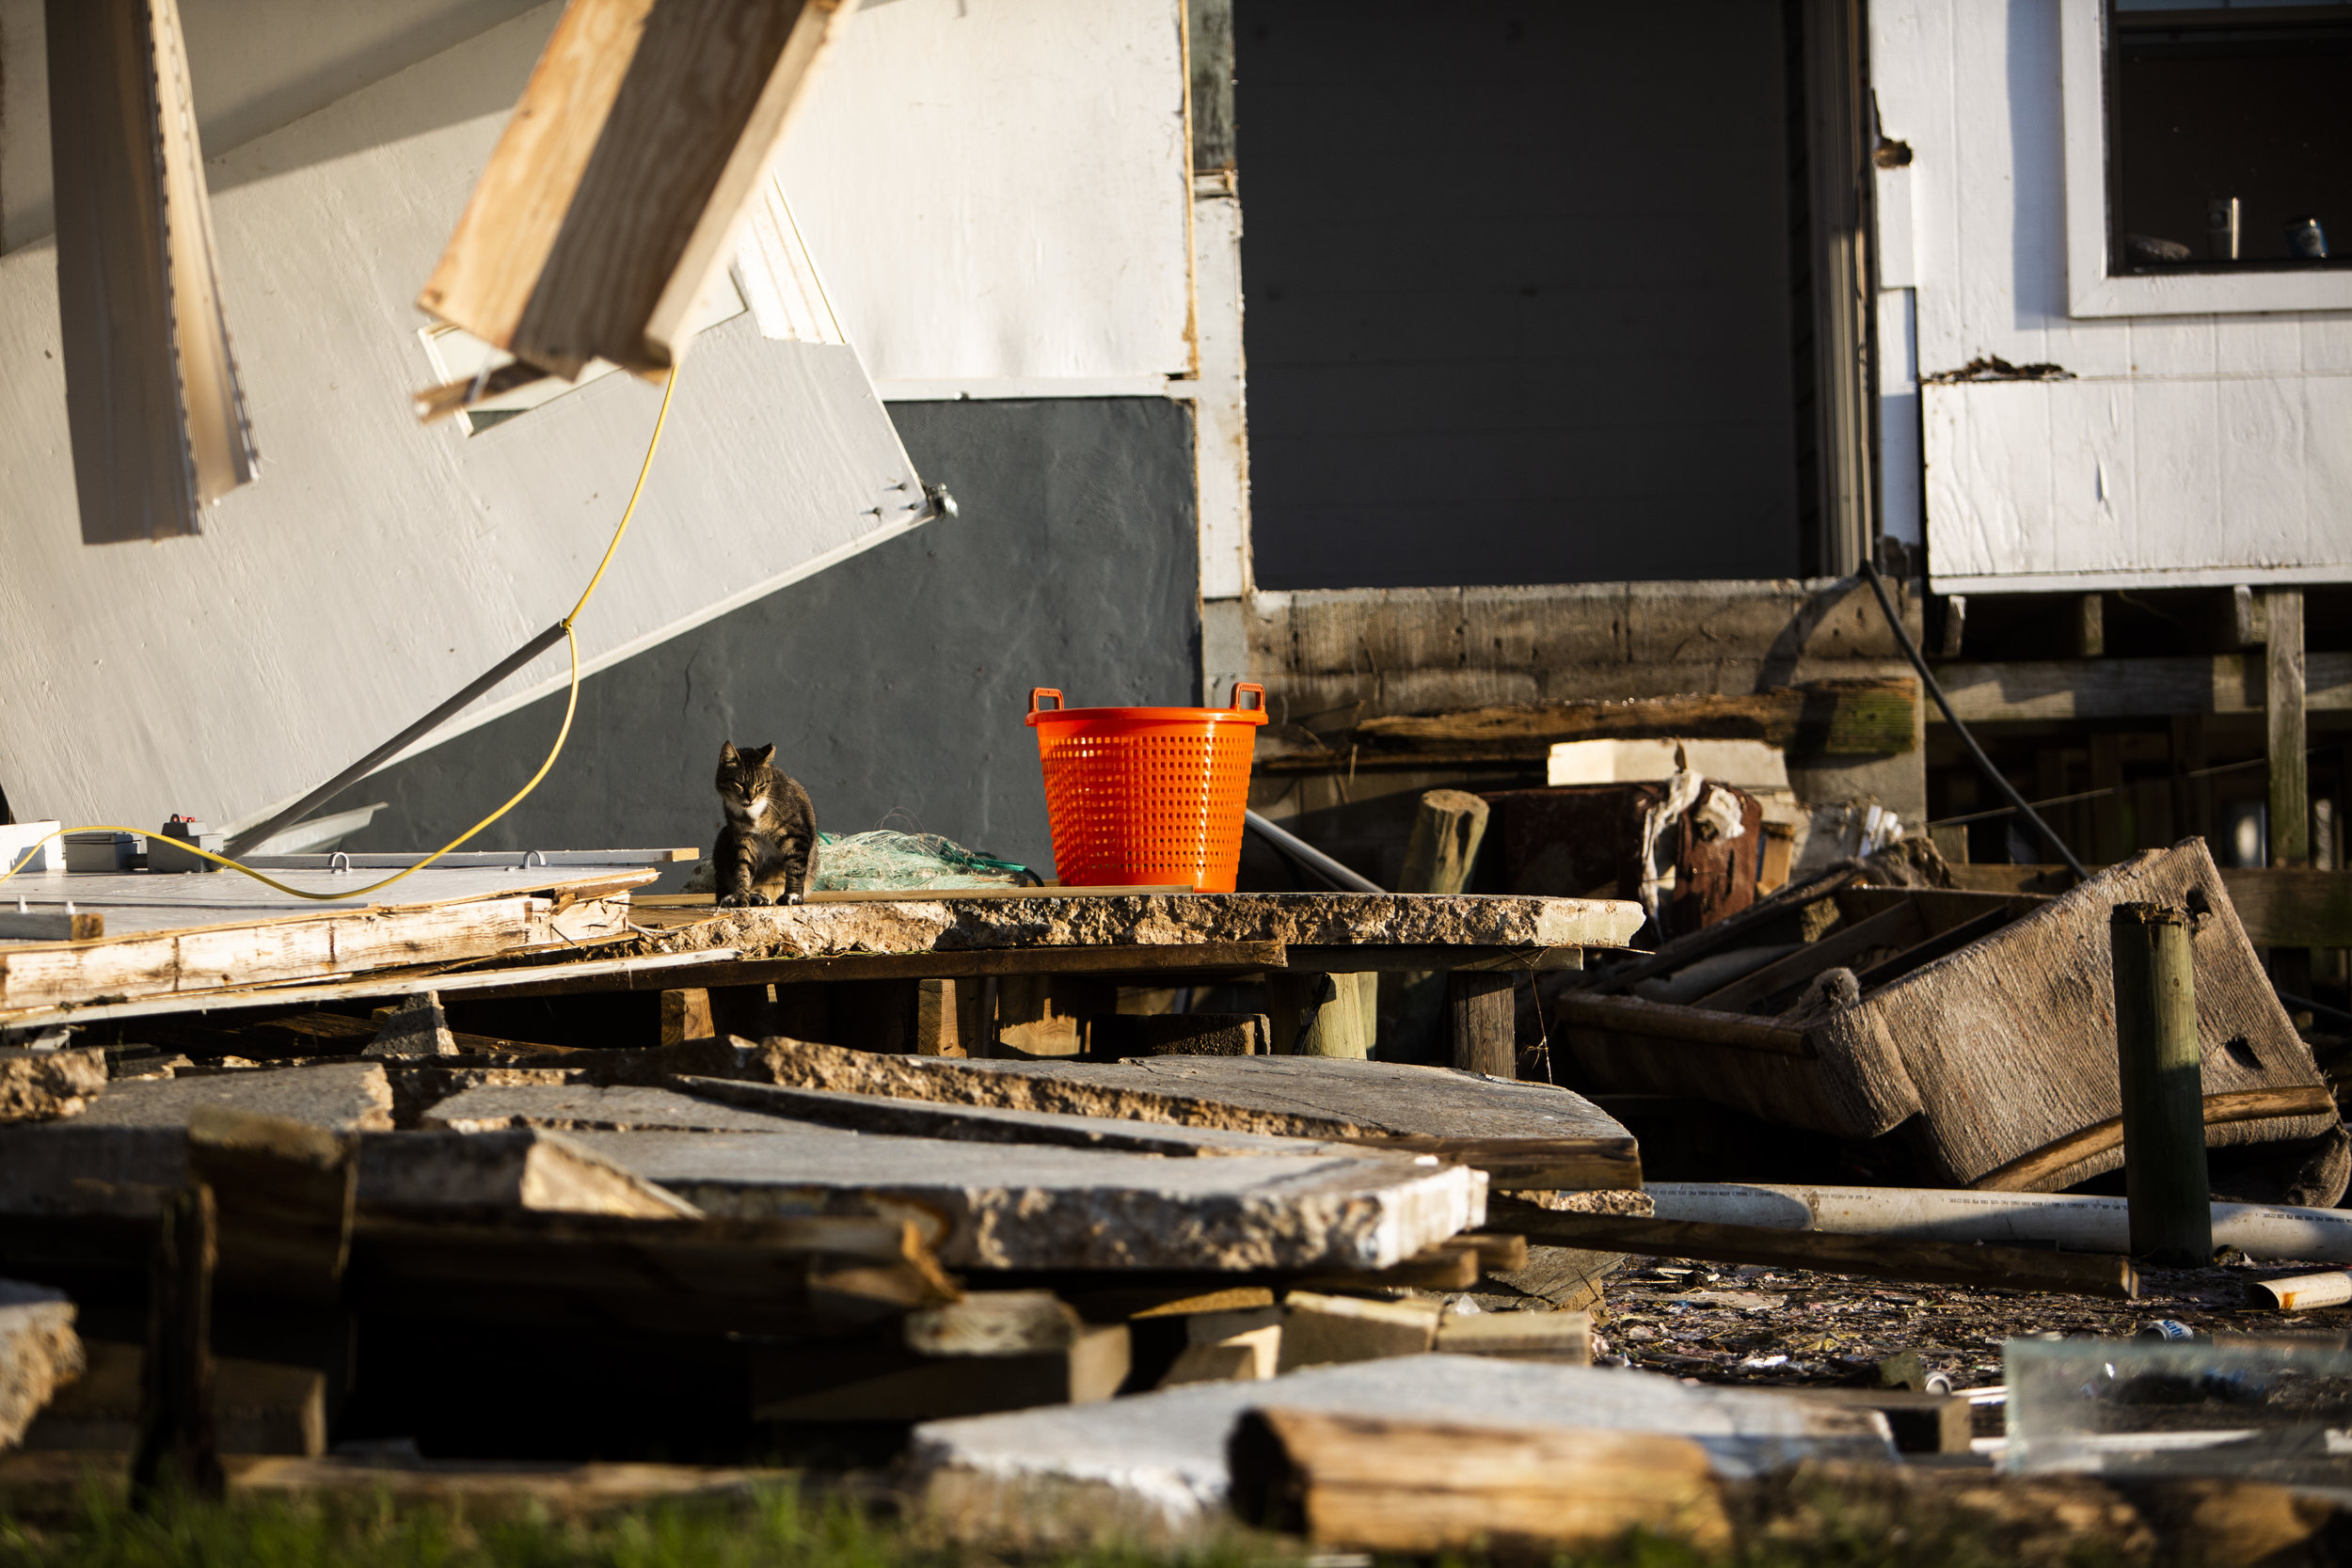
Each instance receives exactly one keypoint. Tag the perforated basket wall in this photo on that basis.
(1146, 795)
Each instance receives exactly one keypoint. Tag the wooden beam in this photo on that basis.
(1482, 1023)
(178, 1447)
(1862, 717)
(2278, 906)
(2283, 701)
(2023, 689)
(613, 197)
(1873, 1256)
(48, 924)
(2027, 1174)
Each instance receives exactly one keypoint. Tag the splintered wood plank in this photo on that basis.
(1527, 1135)
(614, 194)
(1868, 716)
(316, 947)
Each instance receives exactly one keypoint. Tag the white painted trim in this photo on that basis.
(951, 388)
(2101, 582)
(2089, 289)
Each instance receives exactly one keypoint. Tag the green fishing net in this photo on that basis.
(888, 863)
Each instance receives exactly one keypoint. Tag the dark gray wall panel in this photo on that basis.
(1517, 287)
(892, 684)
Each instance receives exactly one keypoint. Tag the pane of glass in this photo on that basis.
(2227, 140)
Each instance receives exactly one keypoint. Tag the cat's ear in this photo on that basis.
(728, 755)
(759, 758)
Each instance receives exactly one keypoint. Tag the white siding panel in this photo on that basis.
(998, 190)
(2180, 481)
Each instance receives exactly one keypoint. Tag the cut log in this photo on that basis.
(40, 1354)
(1385, 1485)
(1153, 1466)
(1025, 1207)
(1874, 1257)
(42, 1086)
(1524, 1136)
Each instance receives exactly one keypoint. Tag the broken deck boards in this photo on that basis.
(1523, 1135)
(1154, 1466)
(1025, 1207)
(180, 934)
(1993, 1050)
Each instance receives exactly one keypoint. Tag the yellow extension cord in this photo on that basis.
(571, 704)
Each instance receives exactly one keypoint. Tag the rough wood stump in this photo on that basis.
(178, 1446)
(1482, 1022)
(1448, 831)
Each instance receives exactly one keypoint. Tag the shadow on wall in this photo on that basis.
(892, 684)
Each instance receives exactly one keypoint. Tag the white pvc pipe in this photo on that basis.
(2046, 1219)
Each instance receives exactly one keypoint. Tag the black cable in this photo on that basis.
(1984, 764)
(2317, 1009)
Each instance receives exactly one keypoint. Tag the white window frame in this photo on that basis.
(2090, 289)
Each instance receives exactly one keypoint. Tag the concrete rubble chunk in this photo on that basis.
(42, 1086)
(1529, 1136)
(521, 1168)
(587, 1108)
(341, 1097)
(1022, 1205)
(1166, 920)
(40, 1354)
(1153, 1466)
(418, 1027)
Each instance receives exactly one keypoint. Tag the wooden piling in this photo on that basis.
(178, 1447)
(2156, 1060)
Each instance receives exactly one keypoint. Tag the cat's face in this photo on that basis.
(743, 781)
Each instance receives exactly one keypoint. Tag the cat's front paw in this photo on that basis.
(755, 898)
(732, 901)
(794, 898)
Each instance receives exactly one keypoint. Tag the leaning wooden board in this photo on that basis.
(184, 935)
(1993, 1050)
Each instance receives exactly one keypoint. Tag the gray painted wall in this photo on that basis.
(893, 684)
(1518, 293)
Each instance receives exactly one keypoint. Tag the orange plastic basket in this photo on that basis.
(1149, 796)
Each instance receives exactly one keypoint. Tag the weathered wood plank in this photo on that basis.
(1855, 717)
(2129, 688)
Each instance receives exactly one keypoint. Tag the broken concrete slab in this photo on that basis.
(1159, 920)
(521, 1168)
(1524, 1136)
(1025, 1207)
(589, 1108)
(418, 1027)
(42, 1086)
(1153, 1466)
(341, 1097)
(40, 1354)
(923, 1118)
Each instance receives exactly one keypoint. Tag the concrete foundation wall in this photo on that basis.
(893, 684)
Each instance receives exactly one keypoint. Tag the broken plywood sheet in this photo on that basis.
(1162, 920)
(1994, 1053)
(1023, 1207)
(1154, 1465)
(718, 1104)
(1524, 1136)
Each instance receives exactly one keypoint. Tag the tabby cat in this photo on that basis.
(767, 849)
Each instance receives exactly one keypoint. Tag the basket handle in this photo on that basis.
(1240, 687)
(1038, 692)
